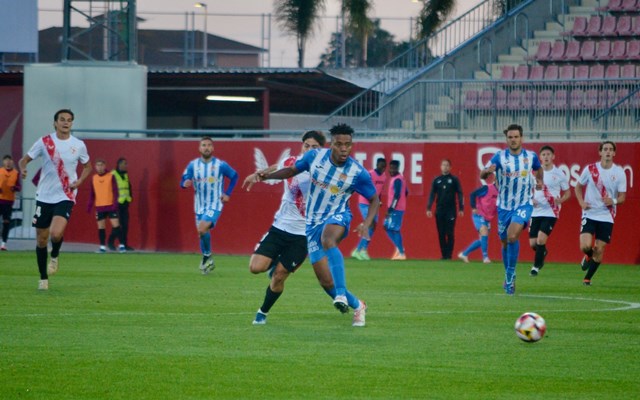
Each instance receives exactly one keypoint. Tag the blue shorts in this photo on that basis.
(479, 221)
(393, 221)
(520, 215)
(209, 216)
(364, 209)
(314, 235)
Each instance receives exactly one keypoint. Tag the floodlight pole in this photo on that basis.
(205, 48)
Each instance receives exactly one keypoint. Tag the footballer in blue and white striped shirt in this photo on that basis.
(207, 174)
(335, 176)
(513, 167)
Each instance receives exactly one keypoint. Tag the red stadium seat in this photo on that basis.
(537, 73)
(594, 25)
(612, 71)
(522, 73)
(545, 97)
(529, 99)
(633, 50)
(613, 5)
(628, 71)
(557, 51)
(507, 73)
(628, 5)
(551, 73)
(485, 101)
(591, 99)
(560, 100)
(579, 27)
(582, 72)
(576, 99)
(619, 50)
(573, 51)
(566, 72)
(501, 99)
(603, 52)
(588, 50)
(596, 72)
(514, 101)
(542, 54)
(635, 26)
(608, 26)
(470, 100)
(624, 28)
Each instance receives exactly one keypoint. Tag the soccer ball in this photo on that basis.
(530, 327)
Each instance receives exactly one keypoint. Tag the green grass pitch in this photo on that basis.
(149, 326)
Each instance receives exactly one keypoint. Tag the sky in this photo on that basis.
(242, 20)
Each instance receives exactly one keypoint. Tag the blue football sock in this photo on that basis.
(363, 244)
(205, 244)
(484, 244)
(352, 300)
(505, 259)
(513, 250)
(336, 266)
(398, 242)
(331, 292)
(472, 247)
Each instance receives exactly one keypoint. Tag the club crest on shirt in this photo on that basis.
(343, 177)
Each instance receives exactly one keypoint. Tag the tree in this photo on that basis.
(298, 17)
(381, 48)
(359, 24)
(433, 14)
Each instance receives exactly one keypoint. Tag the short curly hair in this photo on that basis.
(341, 129)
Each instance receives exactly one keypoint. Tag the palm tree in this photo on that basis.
(359, 23)
(433, 14)
(298, 17)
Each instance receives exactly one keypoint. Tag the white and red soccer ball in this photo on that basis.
(530, 327)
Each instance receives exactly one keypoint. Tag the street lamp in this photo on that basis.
(204, 41)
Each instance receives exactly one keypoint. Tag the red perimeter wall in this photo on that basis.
(163, 220)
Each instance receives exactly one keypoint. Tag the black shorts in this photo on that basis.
(45, 212)
(541, 224)
(106, 214)
(5, 211)
(289, 249)
(601, 230)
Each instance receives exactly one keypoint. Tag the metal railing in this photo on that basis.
(539, 106)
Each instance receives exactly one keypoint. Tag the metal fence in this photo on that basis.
(609, 105)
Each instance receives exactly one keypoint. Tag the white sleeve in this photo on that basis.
(584, 177)
(564, 182)
(84, 154)
(36, 150)
(622, 182)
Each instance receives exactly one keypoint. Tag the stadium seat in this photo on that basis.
(596, 72)
(588, 50)
(608, 26)
(582, 72)
(557, 51)
(501, 99)
(560, 100)
(612, 71)
(633, 50)
(514, 101)
(579, 27)
(591, 98)
(594, 25)
(628, 71)
(612, 5)
(606, 98)
(485, 101)
(529, 99)
(507, 73)
(603, 51)
(536, 73)
(551, 73)
(566, 72)
(572, 52)
(576, 99)
(542, 53)
(635, 26)
(522, 73)
(545, 97)
(621, 94)
(470, 100)
(623, 27)
(619, 50)
(628, 5)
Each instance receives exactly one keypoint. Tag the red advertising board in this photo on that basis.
(163, 219)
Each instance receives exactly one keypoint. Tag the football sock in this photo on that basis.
(589, 254)
(505, 259)
(593, 267)
(55, 248)
(331, 292)
(363, 244)
(484, 245)
(205, 243)
(474, 245)
(336, 266)
(270, 298)
(5, 231)
(118, 233)
(41, 256)
(352, 300)
(513, 250)
(102, 235)
(398, 242)
(541, 250)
